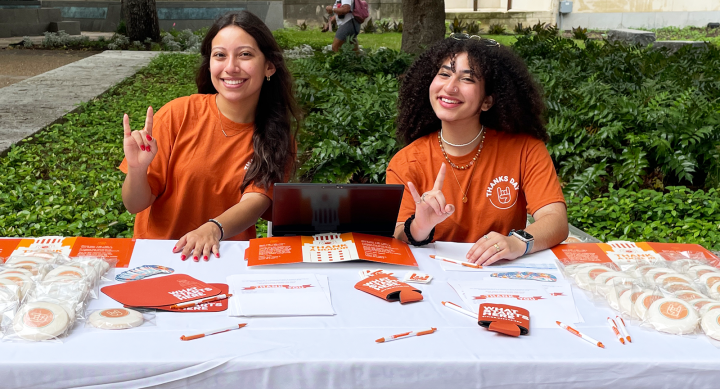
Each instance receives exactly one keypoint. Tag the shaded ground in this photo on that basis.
(17, 65)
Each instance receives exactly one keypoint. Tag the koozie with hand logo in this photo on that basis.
(389, 288)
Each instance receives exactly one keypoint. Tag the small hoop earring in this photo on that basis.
(268, 78)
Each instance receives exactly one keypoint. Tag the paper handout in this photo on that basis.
(545, 303)
(541, 260)
(279, 295)
(328, 248)
(166, 290)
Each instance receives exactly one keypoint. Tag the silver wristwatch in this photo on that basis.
(525, 237)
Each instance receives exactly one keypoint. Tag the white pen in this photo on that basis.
(458, 308)
(455, 261)
(621, 325)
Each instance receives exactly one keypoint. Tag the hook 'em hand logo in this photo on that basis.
(503, 192)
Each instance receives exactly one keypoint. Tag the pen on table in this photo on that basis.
(201, 301)
(406, 335)
(458, 308)
(621, 324)
(615, 330)
(580, 335)
(221, 330)
(455, 261)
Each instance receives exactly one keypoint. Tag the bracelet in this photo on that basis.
(222, 230)
(410, 238)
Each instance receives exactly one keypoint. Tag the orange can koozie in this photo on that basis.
(505, 319)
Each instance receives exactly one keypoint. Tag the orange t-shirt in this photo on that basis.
(197, 172)
(514, 176)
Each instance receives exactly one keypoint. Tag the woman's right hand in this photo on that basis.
(430, 207)
(139, 146)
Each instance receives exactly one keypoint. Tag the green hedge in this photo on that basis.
(64, 181)
(679, 215)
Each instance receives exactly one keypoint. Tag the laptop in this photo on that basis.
(309, 209)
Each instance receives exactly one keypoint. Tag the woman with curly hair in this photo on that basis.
(472, 119)
(203, 168)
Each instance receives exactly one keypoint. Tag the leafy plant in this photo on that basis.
(520, 30)
(384, 26)
(496, 29)
(580, 33)
(369, 27)
(457, 27)
(473, 28)
(303, 26)
(398, 26)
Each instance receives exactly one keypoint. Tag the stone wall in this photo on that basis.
(312, 11)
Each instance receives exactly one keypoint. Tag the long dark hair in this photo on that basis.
(277, 116)
(518, 106)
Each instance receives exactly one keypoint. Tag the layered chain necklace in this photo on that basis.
(464, 167)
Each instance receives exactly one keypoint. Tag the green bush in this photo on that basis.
(634, 117)
(350, 104)
(679, 215)
(65, 181)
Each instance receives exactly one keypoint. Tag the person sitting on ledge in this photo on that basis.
(475, 163)
(203, 168)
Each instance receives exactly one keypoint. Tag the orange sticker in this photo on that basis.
(71, 274)
(649, 300)
(673, 310)
(114, 313)
(718, 318)
(593, 274)
(675, 279)
(689, 296)
(701, 272)
(711, 281)
(38, 317)
(14, 279)
(700, 304)
(635, 296)
(678, 288)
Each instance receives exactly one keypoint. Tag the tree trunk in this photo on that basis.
(423, 24)
(141, 20)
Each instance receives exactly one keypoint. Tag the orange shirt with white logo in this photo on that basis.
(197, 171)
(514, 176)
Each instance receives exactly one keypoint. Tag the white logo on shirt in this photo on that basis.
(503, 192)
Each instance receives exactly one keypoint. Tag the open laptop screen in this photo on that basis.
(308, 209)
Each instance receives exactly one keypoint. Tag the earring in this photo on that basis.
(268, 78)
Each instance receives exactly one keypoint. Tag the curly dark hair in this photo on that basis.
(518, 105)
(277, 116)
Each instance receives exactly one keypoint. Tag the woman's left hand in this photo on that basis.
(200, 243)
(493, 247)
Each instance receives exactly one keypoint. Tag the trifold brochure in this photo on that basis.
(279, 295)
(328, 248)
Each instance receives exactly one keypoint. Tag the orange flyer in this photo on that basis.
(575, 253)
(109, 248)
(624, 253)
(329, 248)
(7, 246)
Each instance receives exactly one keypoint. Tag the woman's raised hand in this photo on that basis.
(140, 147)
(430, 207)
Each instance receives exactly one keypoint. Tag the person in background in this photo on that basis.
(348, 27)
(475, 163)
(203, 168)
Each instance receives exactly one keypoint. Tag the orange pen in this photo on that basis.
(455, 261)
(406, 335)
(580, 335)
(198, 302)
(621, 325)
(615, 330)
(198, 336)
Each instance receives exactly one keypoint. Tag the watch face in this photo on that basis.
(523, 234)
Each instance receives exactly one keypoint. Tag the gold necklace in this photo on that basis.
(220, 120)
(472, 163)
(482, 141)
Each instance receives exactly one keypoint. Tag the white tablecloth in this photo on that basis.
(339, 351)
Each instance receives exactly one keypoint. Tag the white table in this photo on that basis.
(339, 351)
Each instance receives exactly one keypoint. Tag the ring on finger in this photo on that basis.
(486, 237)
(422, 198)
(497, 248)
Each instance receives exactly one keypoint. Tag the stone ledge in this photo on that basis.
(633, 37)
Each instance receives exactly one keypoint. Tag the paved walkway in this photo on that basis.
(5, 42)
(32, 104)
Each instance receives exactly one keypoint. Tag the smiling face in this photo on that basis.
(457, 93)
(238, 67)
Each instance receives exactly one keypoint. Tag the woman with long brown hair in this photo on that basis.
(202, 168)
